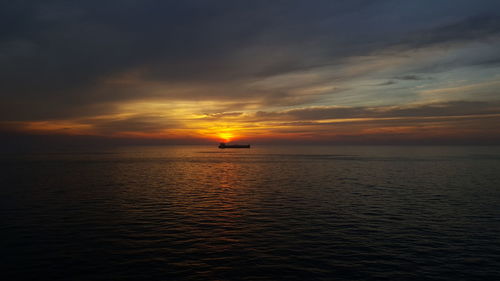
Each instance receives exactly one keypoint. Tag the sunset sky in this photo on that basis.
(350, 71)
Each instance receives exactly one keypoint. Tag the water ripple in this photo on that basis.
(191, 215)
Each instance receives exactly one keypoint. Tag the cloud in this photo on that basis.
(143, 124)
(456, 108)
(219, 115)
(410, 77)
(292, 61)
(438, 123)
(387, 83)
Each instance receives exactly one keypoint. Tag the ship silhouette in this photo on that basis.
(224, 145)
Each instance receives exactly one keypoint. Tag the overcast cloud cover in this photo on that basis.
(418, 69)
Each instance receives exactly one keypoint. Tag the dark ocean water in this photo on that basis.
(265, 213)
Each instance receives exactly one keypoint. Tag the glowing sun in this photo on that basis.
(226, 136)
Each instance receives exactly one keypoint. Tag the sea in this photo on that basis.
(264, 213)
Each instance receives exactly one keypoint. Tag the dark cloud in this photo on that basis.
(387, 83)
(410, 77)
(457, 108)
(489, 62)
(57, 58)
(143, 124)
(222, 115)
(471, 28)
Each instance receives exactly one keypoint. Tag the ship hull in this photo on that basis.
(234, 146)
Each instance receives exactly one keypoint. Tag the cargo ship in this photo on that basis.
(224, 145)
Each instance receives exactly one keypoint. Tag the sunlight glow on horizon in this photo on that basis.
(226, 136)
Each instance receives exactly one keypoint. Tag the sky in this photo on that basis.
(345, 71)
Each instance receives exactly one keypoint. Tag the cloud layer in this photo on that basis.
(263, 69)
